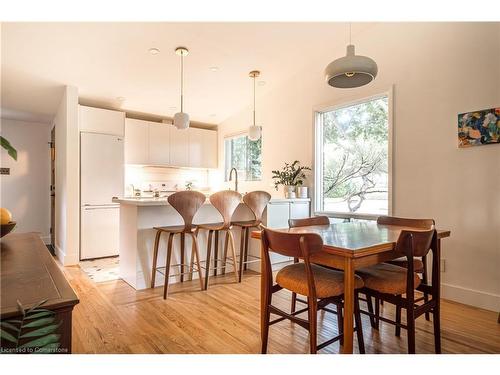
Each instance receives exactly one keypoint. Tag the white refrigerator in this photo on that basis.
(101, 179)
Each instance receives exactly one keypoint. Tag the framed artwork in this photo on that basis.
(479, 127)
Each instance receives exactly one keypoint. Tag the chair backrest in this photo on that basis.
(289, 244)
(257, 202)
(226, 202)
(406, 222)
(187, 203)
(415, 243)
(316, 220)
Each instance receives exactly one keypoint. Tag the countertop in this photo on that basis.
(163, 201)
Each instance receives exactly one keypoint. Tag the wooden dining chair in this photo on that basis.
(257, 202)
(389, 283)
(225, 202)
(186, 203)
(320, 285)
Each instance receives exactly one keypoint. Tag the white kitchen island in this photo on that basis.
(138, 216)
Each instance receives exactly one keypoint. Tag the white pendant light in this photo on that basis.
(351, 70)
(181, 119)
(254, 131)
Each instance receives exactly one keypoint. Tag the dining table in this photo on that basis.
(349, 246)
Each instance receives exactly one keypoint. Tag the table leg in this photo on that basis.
(348, 306)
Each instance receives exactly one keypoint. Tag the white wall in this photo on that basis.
(26, 191)
(67, 175)
(438, 71)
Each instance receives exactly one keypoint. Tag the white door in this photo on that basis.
(101, 168)
(159, 143)
(136, 141)
(196, 154)
(99, 231)
(179, 147)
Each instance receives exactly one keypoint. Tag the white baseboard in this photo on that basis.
(64, 259)
(46, 240)
(477, 298)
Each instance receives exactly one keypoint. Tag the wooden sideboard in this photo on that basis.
(29, 273)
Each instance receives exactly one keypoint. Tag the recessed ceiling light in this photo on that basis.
(213, 115)
(214, 68)
(154, 51)
(262, 83)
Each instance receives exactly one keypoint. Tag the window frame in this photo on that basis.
(318, 151)
(238, 135)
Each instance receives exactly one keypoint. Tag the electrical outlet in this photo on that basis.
(443, 265)
(5, 171)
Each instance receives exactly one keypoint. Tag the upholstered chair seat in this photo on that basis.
(418, 265)
(386, 278)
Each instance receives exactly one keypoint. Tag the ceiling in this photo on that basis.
(107, 61)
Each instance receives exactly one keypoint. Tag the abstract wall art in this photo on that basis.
(479, 127)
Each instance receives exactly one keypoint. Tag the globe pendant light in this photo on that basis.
(254, 131)
(181, 119)
(352, 70)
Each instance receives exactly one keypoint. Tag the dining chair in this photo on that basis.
(225, 202)
(388, 282)
(186, 203)
(257, 202)
(320, 285)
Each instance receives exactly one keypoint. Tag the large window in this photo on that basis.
(244, 155)
(353, 159)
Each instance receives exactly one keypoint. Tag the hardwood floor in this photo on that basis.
(114, 318)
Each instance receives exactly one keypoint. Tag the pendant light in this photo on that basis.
(254, 131)
(181, 119)
(351, 70)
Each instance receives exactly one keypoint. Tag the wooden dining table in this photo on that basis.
(350, 246)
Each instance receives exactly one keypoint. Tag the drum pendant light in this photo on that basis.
(181, 119)
(351, 70)
(254, 131)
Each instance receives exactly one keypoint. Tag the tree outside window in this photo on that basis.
(244, 155)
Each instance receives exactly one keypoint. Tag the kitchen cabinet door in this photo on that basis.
(210, 153)
(179, 147)
(277, 216)
(196, 149)
(98, 120)
(299, 210)
(136, 142)
(159, 143)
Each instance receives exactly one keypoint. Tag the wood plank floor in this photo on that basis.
(114, 318)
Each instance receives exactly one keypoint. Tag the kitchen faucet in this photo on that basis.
(236, 178)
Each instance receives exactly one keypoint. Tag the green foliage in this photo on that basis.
(35, 332)
(291, 174)
(244, 155)
(7, 146)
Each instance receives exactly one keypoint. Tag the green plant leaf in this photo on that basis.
(9, 325)
(41, 331)
(8, 147)
(39, 322)
(42, 341)
(48, 349)
(40, 314)
(37, 305)
(7, 336)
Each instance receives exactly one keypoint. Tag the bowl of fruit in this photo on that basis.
(6, 222)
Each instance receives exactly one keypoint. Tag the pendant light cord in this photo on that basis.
(350, 32)
(182, 81)
(254, 100)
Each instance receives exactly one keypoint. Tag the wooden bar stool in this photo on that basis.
(186, 203)
(226, 203)
(257, 202)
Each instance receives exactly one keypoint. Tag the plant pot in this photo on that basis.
(289, 191)
(302, 191)
(7, 228)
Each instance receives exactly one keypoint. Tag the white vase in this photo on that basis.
(302, 191)
(289, 191)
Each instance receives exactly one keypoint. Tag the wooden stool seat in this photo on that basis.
(211, 226)
(177, 229)
(247, 224)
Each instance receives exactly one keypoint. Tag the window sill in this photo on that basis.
(348, 215)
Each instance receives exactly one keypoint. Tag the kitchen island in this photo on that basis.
(138, 216)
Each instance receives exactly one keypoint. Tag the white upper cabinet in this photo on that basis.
(97, 120)
(196, 157)
(179, 147)
(210, 155)
(136, 142)
(159, 143)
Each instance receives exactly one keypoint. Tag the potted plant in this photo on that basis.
(290, 176)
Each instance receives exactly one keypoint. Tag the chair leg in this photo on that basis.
(313, 324)
(294, 302)
(155, 257)
(410, 324)
(359, 325)
(377, 313)
(369, 305)
(242, 251)
(424, 280)
(233, 249)
(247, 235)
(183, 245)
(340, 322)
(398, 318)
(437, 328)
(216, 251)
(207, 264)
(264, 335)
(167, 265)
(196, 253)
(224, 256)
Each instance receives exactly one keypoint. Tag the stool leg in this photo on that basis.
(197, 256)
(155, 257)
(233, 249)
(247, 234)
(183, 243)
(242, 251)
(191, 263)
(167, 266)
(224, 257)
(207, 264)
(216, 251)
